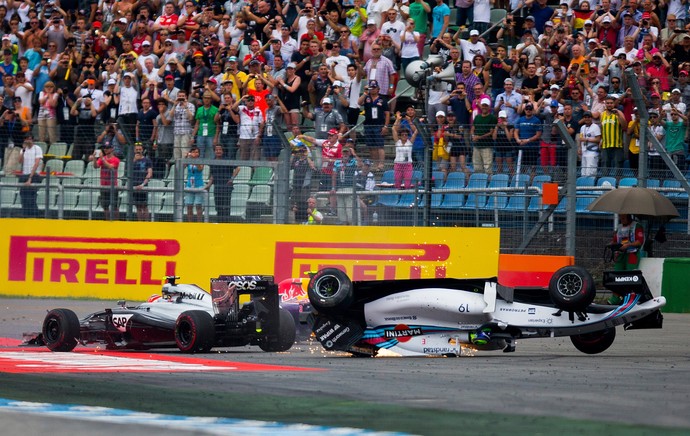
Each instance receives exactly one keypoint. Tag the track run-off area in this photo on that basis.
(641, 385)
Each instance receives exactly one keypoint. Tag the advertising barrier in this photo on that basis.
(128, 260)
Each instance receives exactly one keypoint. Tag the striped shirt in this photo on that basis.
(611, 130)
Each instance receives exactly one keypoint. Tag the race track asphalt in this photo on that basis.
(641, 385)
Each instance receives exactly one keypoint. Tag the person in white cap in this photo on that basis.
(481, 136)
(502, 136)
(471, 47)
(674, 102)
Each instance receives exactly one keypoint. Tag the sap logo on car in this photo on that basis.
(120, 321)
(531, 310)
(626, 279)
(244, 285)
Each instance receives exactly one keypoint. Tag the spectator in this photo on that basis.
(382, 71)
(325, 119)
(146, 123)
(441, 150)
(502, 136)
(47, 115)
(108, 164)
(163, 139)
(331, 150)
(590, 138)
(313, 214)
(251, 126)
(275, 111)
(612, 123)
(402, 164)
(343, 183)
(183, 114)
(509, 102)
(30, 159)
(127, 105)
(376, 122)
(194, 181)
(222, 177)
(142, 171)
(528, 130)
(205, 127)
(85, 111)
(676, 130)
(440, 19)
(304, 170)
(481, 133)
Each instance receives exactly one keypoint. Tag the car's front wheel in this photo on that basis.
(195, 332)
(61, 330)
(595, 342)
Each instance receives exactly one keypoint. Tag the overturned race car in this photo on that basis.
(440, 316)
(183, 316)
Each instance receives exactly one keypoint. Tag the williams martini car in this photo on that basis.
(440, 316)
(183, 316)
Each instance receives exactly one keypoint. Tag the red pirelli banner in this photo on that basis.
(122, 260)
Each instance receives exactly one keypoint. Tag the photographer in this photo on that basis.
(183, 116)
(86, 112)
(113, 137)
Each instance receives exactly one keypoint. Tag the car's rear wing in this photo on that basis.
(226, 291)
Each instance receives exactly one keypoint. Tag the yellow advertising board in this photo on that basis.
(128, 260)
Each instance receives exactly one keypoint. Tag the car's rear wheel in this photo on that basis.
(572, 288)
(330, 290)
(61, 330)
(195, 332)
(285, 333)
(595, 342)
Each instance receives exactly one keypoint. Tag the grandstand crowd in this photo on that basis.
(178, 75)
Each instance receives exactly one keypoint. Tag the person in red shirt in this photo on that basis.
(168, 20)
(108, 163)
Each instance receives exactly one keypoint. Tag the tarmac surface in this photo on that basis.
(641, 385)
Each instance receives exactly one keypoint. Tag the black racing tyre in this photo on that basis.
(595, 342)
(330, 290)
(286, 332)
(572, 288)
(61, 331)
(195, 332)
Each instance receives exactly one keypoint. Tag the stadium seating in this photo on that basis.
(474, 199)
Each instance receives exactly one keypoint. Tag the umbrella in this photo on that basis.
(642, 202)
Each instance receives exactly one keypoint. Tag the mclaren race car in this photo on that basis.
(440, 316)
(183, 316)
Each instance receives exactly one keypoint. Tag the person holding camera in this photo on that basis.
(108, 163)
(376, 122)
(86, 112)
(183, 116)
(304, 16)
